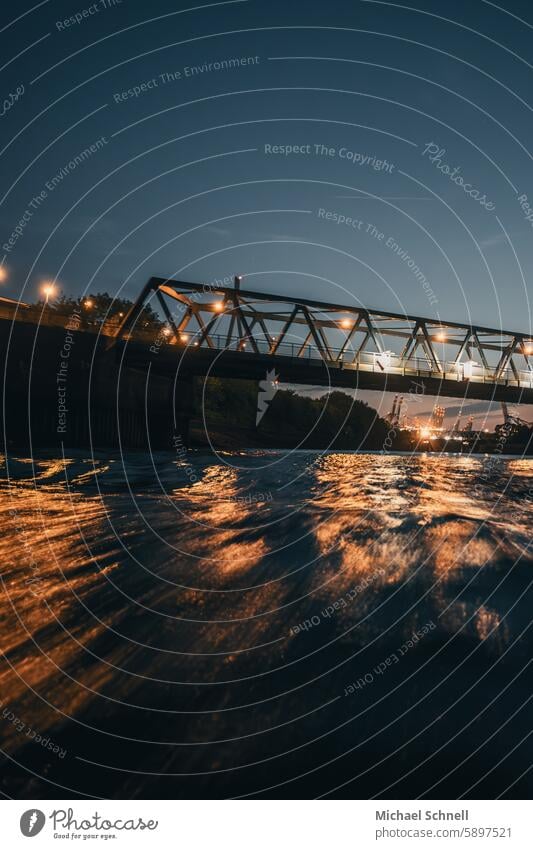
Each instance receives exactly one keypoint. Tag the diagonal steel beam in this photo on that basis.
(350, 336)
(285, 329)
(167, 312)
(314, 333)
(506, 356)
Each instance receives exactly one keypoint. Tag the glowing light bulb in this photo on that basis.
(48, 290)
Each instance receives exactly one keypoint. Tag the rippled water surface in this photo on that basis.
(266, 624)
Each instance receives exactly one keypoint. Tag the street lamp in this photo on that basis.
(48, 291)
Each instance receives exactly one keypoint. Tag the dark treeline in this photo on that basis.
(290, 420)
(101, 310)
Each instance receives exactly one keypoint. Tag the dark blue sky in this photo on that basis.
(181, 184)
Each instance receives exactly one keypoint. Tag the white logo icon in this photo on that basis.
(267, 390)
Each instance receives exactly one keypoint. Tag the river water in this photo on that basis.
(266, 624)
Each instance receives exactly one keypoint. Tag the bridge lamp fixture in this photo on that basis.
(528, 348)
(166, 331)
(3, 273)
(441, 337)
(184, 337)
(218, 306)
(88, 304)
(346, 323)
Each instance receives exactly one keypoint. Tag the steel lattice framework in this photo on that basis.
(343, 336)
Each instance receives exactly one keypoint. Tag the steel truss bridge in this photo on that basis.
(234, 332)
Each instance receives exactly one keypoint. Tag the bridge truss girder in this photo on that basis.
(336, 333)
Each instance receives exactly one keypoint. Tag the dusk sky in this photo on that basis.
(200, 166)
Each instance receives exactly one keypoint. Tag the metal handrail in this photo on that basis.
(364, 360)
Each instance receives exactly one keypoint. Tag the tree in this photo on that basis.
(102, 311)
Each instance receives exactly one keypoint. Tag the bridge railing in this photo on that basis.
(379, 363)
